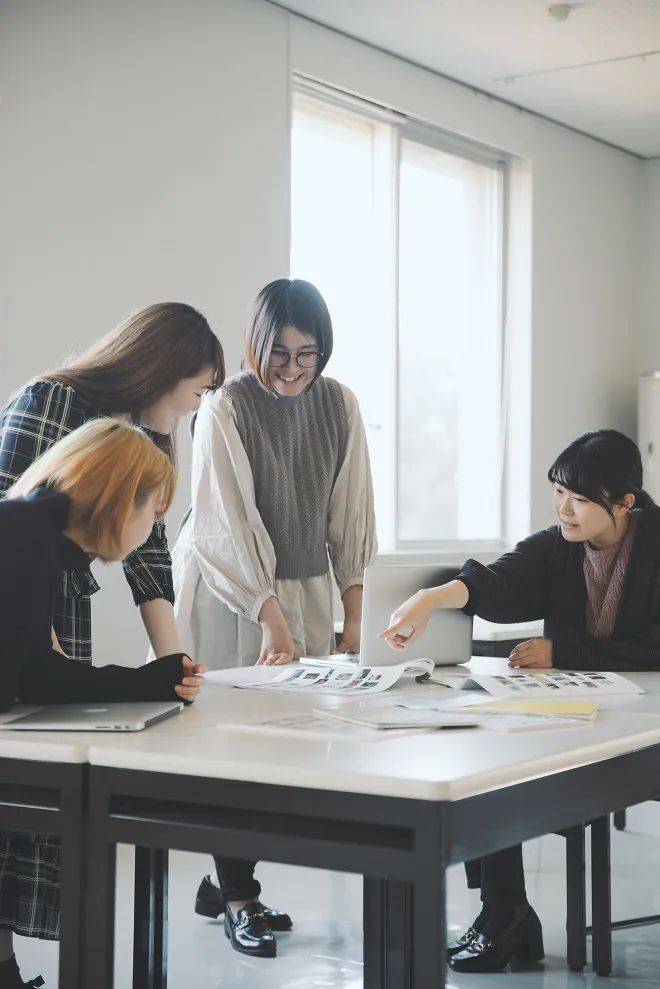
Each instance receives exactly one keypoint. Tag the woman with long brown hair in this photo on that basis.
(95, 493)
(149, 371)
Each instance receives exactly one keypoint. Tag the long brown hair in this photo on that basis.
(144, 358)
(286, 302)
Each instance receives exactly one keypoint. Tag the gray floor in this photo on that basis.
(325, 949)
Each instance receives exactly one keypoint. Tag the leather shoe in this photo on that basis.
(211, 903)
(249, 932)
(467, 937)
(513, 933)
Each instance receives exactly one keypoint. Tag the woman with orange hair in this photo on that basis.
(96, 493)
(150, 370)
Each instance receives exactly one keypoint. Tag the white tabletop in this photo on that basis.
(42, 746)
(207, 740)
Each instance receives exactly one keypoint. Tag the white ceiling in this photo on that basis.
(486, 42)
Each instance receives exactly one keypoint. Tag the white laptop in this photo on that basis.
(447, 640)
(121, 716)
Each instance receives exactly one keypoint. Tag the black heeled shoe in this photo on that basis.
(211, 903)
(517, 934)
(10, 976)
(249, 932)
(467, 937)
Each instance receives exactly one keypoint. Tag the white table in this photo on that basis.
(397, 811)
(42, 789)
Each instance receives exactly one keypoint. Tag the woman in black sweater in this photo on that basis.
(95, 493)
(594, 579)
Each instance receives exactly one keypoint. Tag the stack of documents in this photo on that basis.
(466, 712)
(576, 710)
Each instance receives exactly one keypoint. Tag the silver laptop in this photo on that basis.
(121, 716)
(447, 640)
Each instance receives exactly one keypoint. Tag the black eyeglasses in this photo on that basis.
(280, 358)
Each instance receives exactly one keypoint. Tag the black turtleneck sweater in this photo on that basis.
(33, 552)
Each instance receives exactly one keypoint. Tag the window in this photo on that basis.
(401, 229)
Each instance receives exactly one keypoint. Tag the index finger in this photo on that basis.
(397, 626)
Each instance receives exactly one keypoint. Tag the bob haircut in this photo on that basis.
(106, 468)
(602, 465)
(286, 302)
(142, 359)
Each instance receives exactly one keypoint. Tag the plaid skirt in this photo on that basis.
(30, 884)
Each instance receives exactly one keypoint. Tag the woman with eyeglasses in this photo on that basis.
(280, 485)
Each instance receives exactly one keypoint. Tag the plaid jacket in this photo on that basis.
(41, 414)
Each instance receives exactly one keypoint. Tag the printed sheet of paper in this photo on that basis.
(552, 683)
(324, 680)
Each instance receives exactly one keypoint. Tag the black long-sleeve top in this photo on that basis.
(33, 552)
(543, 578)
(38, 416)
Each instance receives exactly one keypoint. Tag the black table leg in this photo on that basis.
(73, 835)
(620, 820)
(576, 920)
(388, 934)
(429, 942)
(150, 919)
(99, 920)
(428, 930)
(601, 907)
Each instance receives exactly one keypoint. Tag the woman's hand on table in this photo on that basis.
(535, 654)
(191, 681)
(350, 638)
(277, 647)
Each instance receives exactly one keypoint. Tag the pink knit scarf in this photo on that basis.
(604, 575)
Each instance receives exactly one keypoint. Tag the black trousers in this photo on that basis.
(236, 878)
(500, 877)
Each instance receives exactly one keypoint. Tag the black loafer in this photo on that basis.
(468, 936)
(463, 941)
(519, 936)
(249, 932)
(211, 903)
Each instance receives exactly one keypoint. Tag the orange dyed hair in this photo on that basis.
(106, 468)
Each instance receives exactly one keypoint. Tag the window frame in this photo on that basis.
(405, 127)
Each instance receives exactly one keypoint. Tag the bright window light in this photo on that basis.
(403, 236)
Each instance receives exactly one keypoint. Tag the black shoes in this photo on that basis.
(211, 903)
(10, 976)
(513, 933)
(468, 936)
(249, 932)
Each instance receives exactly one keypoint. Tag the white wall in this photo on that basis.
(145, 158)
(650, 269)
(148, 159)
